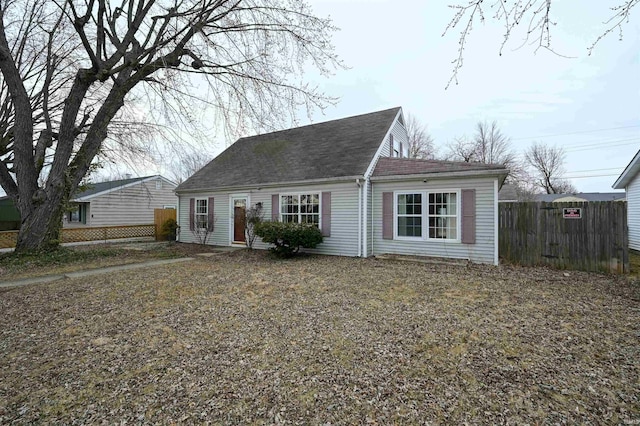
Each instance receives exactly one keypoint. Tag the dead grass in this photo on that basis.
(242, 338)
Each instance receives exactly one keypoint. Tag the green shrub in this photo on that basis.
(287, 238)
(168, 230)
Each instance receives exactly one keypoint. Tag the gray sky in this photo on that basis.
(590, 105)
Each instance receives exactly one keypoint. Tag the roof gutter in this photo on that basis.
(443, 175)
(271, 184)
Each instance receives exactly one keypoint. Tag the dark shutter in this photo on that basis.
(387, 215)
(326, 214)
(192, 213)
(391, 147)
(210, 216)
(469, 216)
(275, 207)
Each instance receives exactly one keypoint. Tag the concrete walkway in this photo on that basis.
(89, 272)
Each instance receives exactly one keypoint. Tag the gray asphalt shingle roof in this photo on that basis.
(95, 188)
(405, 166)
(333, 149)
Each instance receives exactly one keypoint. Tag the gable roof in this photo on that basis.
(341, 148)
(100, 188)
(628, 173)
(581, 196)
(402, 167)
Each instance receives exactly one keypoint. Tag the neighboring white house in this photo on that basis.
(629, 180)
(352, 179)
(121, 202)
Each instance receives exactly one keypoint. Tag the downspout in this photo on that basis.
(178, 219)
(359, 217)
(366, 204)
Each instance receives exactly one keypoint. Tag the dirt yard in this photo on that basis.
(243, 338)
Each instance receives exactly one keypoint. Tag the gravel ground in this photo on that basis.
(243, 338)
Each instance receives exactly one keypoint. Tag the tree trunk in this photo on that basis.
(41, 230)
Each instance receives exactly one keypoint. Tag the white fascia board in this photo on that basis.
(117, 188)
(375, 158)
(270, 185)
(628, 173)
(442, 175)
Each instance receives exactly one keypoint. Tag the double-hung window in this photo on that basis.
(300, 208)
(201, 213)
(410, 215)
(427, 215)
(443, 215)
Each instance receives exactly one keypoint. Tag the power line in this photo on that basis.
(595, 170)
(601, 147)
(589, 176)
(576, 133)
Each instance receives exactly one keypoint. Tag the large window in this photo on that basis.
(427, 215)
(77, 213)
(201, 218)
(300, 208)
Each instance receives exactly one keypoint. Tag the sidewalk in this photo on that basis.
(89, 272)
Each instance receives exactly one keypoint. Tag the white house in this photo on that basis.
(352, 179)
(629, 180)
(121, 202)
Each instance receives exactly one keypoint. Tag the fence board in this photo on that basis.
(75, 235)
(160, 216)
(538, 234)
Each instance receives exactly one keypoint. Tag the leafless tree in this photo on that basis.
(74, 72)
(548, 167)
(202, 231)
(533, 17)
(253, 216)
(187, 163)
(460, 149)
(421, 144)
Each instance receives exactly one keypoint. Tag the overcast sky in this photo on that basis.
(590, 105)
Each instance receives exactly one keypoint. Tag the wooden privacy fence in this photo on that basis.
(585, 236)
(160, 216)
(74, 235)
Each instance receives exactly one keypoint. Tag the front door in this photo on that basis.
(239, 216)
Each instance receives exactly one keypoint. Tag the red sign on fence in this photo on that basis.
(572, 213)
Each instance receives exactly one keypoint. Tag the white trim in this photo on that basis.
(365, 248)
(441, 175)
(232, 198)
(169, 206)
(196, 214)
(270, 185)
(298, 194)
(375, 158)
(117, 188)
(628, 173)
(178, 220)
(359, 217)
(496, 259)
(425, 215)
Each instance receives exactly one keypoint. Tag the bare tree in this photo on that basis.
(421, 144)
(534, 17)
(253, 216)
(72, 70)
(548, 167)
(461, 149)
(202, 229)
(187, 163)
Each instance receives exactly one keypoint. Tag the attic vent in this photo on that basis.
(159, 184)
(401, 120)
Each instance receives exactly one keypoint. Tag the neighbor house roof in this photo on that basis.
(402, 167)
(333, 149)
(95, 189)
(581, 196)
(628, 173)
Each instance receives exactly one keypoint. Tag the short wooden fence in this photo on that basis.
(74, 235)
(584, 236)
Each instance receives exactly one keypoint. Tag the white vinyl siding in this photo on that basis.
(131, 205)
(344, 219)
(633, 212)
(399, 137)
(482, 251)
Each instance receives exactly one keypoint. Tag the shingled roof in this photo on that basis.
(404, 166)
(333, 149)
